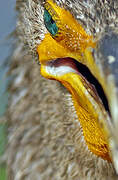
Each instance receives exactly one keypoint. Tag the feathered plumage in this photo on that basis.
(45, 139)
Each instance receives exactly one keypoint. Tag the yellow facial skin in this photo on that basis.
(72, 41)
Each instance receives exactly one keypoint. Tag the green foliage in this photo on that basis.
(3, 127)
(3, 174)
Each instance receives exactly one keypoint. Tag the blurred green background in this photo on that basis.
(8, 21)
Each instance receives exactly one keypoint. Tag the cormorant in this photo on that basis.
(56, 132)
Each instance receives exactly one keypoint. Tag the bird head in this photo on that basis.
(77, 44)
(87, 65)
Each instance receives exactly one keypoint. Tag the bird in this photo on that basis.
(62, 114)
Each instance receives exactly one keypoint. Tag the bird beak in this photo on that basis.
(101, 58)
(102, 61)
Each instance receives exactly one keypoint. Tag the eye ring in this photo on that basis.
(50, 24)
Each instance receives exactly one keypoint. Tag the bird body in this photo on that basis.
(56, 133)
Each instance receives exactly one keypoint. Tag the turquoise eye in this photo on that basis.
(50, 23)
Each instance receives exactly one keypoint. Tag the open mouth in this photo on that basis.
(66, 65)
(88, 97)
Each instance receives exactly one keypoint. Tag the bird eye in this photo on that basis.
(50, 23)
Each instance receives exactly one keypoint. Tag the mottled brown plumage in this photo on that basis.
(45, 140)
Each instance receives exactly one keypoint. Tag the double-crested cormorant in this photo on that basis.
(56, 132)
